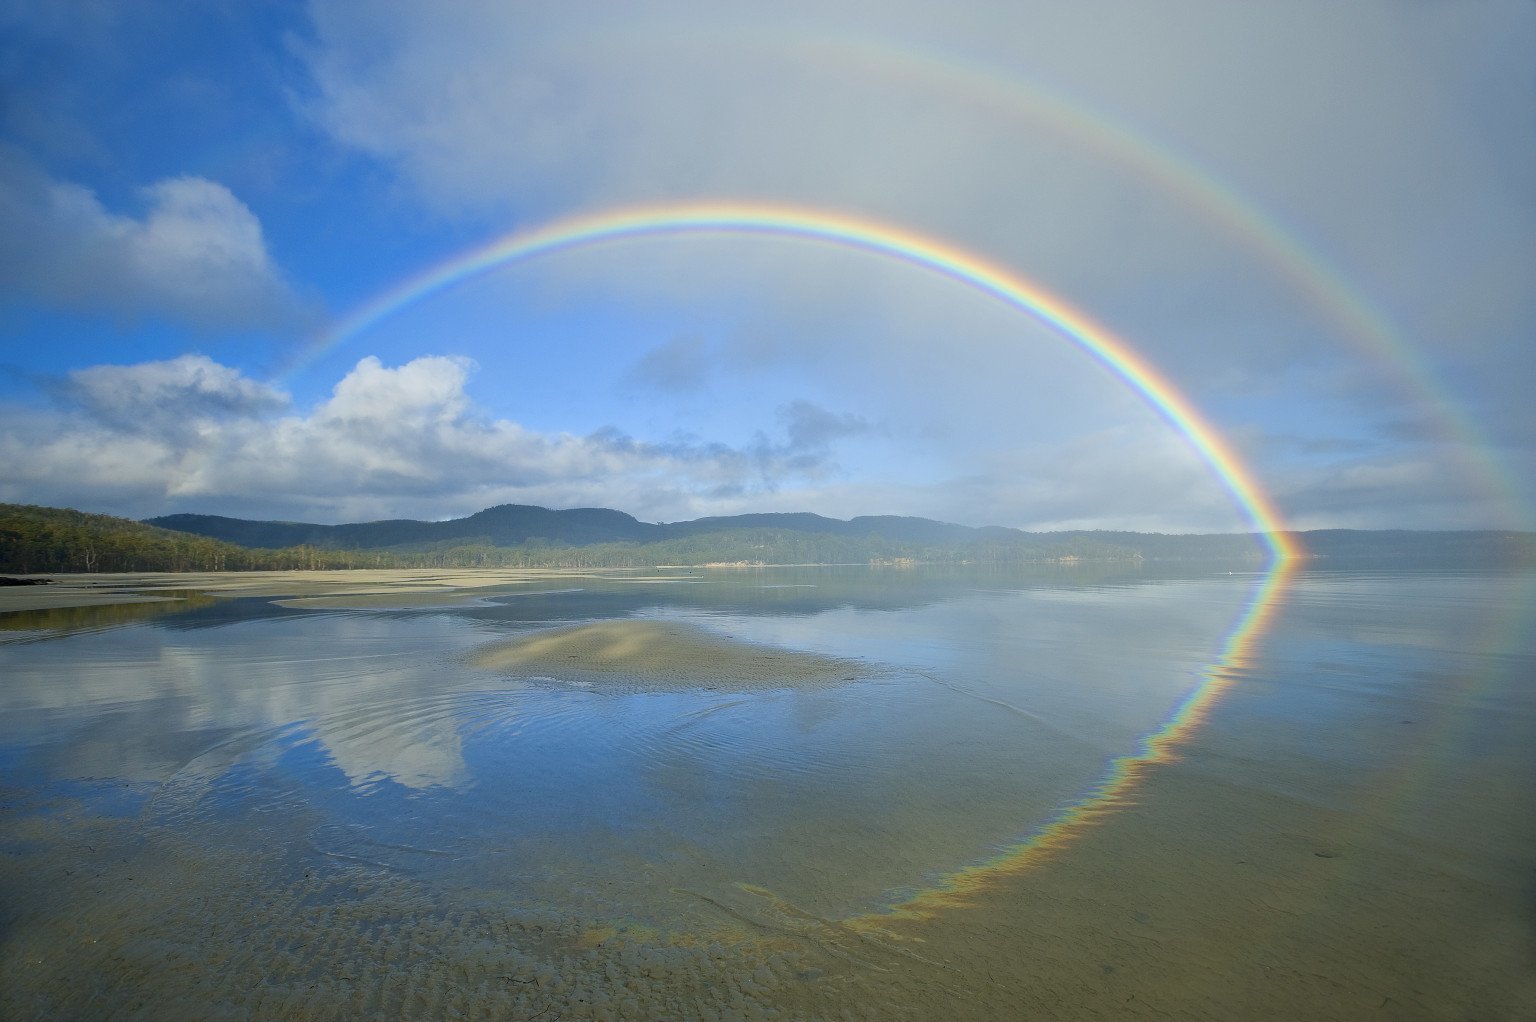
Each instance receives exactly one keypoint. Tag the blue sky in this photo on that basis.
(191, 194)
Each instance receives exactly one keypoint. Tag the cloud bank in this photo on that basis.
(191, 434)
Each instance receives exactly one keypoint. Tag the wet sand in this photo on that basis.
(1213, 900)
(1278, 910)
(668, 653)
(388, 587)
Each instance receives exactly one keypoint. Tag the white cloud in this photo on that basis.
(418, 395)
(196, 255)
(190, 434)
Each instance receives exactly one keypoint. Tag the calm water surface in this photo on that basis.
(228, 807)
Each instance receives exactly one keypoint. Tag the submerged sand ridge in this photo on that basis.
(661, 655)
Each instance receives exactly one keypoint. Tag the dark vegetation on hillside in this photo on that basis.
(39, 540)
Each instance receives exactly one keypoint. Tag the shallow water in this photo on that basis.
(245, 809)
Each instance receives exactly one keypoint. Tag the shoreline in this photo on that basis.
(304, 587)
(314, 587)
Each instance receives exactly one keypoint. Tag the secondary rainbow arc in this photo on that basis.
(1116, 139)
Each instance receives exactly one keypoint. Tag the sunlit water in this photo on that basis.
(236, 808)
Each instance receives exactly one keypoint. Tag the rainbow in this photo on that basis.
(1123, 774)
(864, 235)
(1114, 790)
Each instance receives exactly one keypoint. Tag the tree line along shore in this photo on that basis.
(42, 540)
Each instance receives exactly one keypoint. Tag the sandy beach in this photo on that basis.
(320, 589)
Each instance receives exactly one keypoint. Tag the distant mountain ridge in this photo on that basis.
(519, 525)
(504, 525)
(37, 539)
(516, 524)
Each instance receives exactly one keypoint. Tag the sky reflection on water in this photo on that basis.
(983, 708)
(363, 746)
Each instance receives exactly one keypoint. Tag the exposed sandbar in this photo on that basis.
(661, 655)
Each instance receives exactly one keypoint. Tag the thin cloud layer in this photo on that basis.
(1331, 127)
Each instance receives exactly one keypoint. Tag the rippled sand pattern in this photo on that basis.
(667, 654)
(123, 922)
(1263, 921)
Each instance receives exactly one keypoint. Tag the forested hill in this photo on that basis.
(506, 525)
(800, 537)
(35, 540)
(516, 524)
(39, 540)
